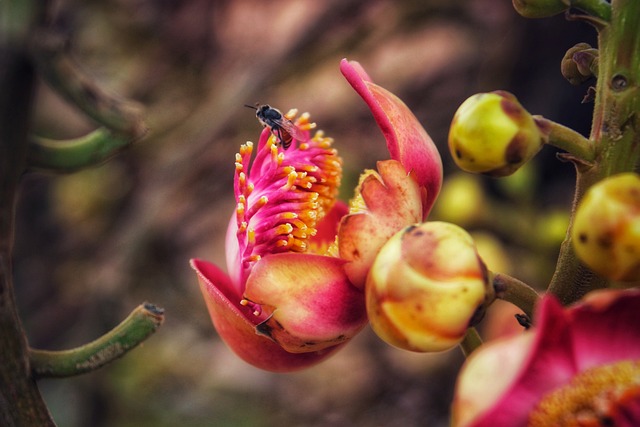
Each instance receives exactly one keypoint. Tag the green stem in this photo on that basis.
(137, 327)
(598, 8)
(516, 292)
(615, 133)
(70, 155)
(566, 139)
(470, 342)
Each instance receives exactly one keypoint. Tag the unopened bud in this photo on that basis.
(606, 229)
(540, 8)
(579, 63)
(426, 287)
(491, 133)
(462, 200)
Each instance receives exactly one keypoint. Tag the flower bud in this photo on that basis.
(492, 133)
(462, 200)
(579, 63)
(540, 8)
(606, 229)
(426, 287)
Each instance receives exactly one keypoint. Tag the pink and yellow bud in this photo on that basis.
(426, 287)
(606, 229)
(540, 8)
(492, 134)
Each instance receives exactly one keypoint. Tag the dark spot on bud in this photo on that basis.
(512, 109)
(619, 83)
(583, 238)
(516, 149)
(605, 240)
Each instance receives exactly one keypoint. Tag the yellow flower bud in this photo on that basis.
(426, 287)
(492, 133)
(606, 229)
(540, 8)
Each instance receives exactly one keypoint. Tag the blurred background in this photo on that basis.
(92, 245)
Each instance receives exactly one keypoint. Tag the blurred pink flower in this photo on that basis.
(577, 366)
(287, 301)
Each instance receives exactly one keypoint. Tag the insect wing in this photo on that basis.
(289, 127)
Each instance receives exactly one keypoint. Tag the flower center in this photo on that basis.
(283, 194)
(602, 396)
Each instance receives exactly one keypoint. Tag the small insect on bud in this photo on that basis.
(540, 8)
(426, 287)
(491, 133)
(606, 229)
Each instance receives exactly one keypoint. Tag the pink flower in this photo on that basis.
(578, 366)
(287, 301)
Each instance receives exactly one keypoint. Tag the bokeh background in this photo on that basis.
(90, 246)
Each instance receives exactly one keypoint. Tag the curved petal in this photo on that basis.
(312, 304)
(392, 200)
(487, 374)
(236, 325)
(606, 316)
(548, 364)
(407, 141)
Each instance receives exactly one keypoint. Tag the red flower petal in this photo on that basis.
(393, 202)
(407, 141)
(232, 321)
(550, 363)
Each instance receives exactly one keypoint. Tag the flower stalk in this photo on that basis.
(516, 292)
(143, 321)
(566, 139)
(470, 342)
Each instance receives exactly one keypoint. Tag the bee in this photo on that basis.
(281, 127)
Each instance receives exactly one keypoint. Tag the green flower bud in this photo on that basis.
(606, 229)
(491, 133)
(462, 200)
(426, 287)
(540, 8)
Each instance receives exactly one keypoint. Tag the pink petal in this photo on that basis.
(407, 141)
(605, 327)
(393, 202)
(548, 365)
(313, 303)
(236, 325)
(486, 375)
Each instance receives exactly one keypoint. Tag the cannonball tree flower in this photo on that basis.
(576, 366)
(289, 299)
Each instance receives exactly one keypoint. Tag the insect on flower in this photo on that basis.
(281, 127)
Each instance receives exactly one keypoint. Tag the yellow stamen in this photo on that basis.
(589, 398)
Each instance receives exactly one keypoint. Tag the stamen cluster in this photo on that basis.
(282, 195)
